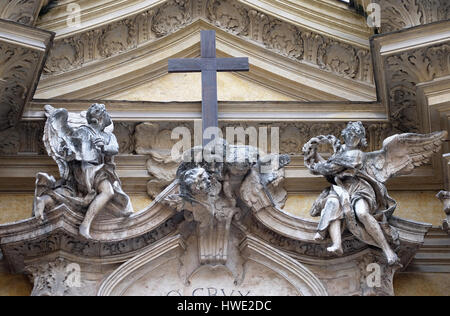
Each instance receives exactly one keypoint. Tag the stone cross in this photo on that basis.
(208, 65)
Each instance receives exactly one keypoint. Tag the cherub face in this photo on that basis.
(97, 115)
(197, 181)
(355, 135)
(352, 139)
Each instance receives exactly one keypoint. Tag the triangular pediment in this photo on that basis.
(110, 77)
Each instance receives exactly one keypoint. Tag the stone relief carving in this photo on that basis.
(25, 137)
(339, 58)
(125, 137)
(358, 196)
(68, 54)
(21, 11)
(117, 37)
(309, 249)
(171, 16)
(404, 72)
(229, 15)
(155, 140)
(216, 192)
(274, 34)
(55, 278)
(16, 63)
(10, 141)
(84, 147)
(401, 14)
(283, 38)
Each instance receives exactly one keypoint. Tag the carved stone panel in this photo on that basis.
(161, 272)
(20, 67)
(232, 16)
(21, 11)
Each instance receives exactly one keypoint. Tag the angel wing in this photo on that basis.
(57, 131)
(402, 153)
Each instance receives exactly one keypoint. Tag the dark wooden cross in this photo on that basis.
(208, 65)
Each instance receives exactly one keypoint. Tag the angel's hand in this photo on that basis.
(99, 143)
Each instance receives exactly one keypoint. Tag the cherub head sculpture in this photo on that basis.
(97, 115)
(355, 135)
(197, 181)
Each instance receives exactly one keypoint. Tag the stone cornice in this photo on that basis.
(434, 255)
(67, 75)
(133, 36)
(405, 59)
(229, 111)
(23, 51)
(326, 17)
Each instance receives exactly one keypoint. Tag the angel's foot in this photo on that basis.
(84, 231)
(39, 210)
(41, 217)
(392, 258)
(336, 249)
(319, 237)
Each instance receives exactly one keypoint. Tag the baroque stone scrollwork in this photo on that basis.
(229, 15)
(338, 58)
(171, 16)
(358, 196)
(67, 54)
(56, 278)
(117, 37)
(404, 72)
(283, 38)
(274, 34)
(217, 189)
(21, 11)
(15, 66)
(155, 140)
(84, 147)
(401, 14)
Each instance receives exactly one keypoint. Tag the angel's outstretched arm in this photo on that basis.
(328, 168)
(112, 148)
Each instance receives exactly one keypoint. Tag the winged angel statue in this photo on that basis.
(83, 146)
(358, 198)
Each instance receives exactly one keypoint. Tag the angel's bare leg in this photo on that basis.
(41, 204)
(332, 206)
(336, 237)
(106, 193)
(374, 230)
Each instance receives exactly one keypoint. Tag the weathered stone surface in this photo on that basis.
(358, 194)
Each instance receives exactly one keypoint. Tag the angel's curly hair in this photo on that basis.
(358, 129)
(96, 112)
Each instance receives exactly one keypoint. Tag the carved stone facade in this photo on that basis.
(397, 15)
(408, 69)
(21, 11)
(402, 14)
(73, 52)
(20, 66)
(219, 229)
